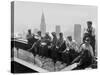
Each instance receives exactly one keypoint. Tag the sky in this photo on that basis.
(27, 15)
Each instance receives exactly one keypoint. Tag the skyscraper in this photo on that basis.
(43, 24)
(57, 29)
(77, 33)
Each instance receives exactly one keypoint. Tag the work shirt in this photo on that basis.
(72, 45)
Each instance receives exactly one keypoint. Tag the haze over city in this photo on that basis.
(27, 15)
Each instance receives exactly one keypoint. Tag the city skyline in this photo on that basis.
(27, 15)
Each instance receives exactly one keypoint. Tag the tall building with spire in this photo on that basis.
(43, 24)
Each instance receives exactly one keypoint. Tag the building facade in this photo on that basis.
(43, 24)
(77, 33)
(57, 29)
